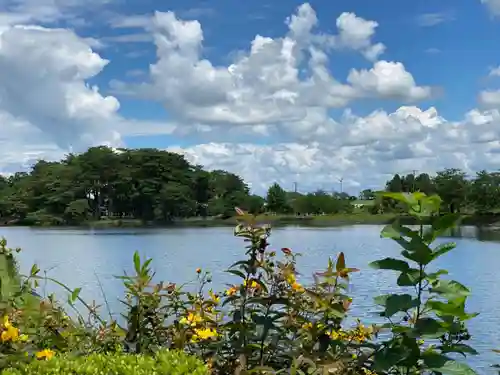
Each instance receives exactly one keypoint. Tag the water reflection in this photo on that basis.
(478, 233)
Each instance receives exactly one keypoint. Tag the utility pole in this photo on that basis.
(341, 180)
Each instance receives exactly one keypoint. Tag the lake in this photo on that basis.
(90, 258)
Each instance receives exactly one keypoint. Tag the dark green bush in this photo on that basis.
(165, 362)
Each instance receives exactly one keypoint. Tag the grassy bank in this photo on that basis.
(361, 218)
(490, 220)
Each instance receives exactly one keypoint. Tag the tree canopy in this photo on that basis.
(146, 184)
(152, 185)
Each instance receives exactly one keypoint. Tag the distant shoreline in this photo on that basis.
(491, 221)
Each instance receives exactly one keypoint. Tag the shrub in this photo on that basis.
(267, 321)
(164, 362)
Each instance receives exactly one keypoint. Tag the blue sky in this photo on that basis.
(331, 89)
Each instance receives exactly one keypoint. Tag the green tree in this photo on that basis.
(485, 191)
(395, 185)
(277, 199)
(451, 185)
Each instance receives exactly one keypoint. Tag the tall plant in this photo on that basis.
(427, 322)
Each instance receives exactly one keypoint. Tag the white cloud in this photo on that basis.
(16, 12)
(356, 33)
(433, 19)
(388, 80)
(276, 82)
(490, 98)
(493, 6)
(42, 80)
(280, 88)
(370, 150)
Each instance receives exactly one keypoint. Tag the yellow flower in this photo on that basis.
(191, 320)
(297, 287)
(6, 322)
(252, 285)
(290, 279)
(231, 291)
(45, 354)
(334, 335)
(307, 325)
(202, 334)
(10, 334)
(338, 335)
(214, 296)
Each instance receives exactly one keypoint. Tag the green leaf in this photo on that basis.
(454, 368)
(390, 231)
(443, 249)
(398, 302)
(420, 257)
(34, 270)
(450, 289)
(459, 348)
(411, 199)
(237, 273)
(409, 278)
(429, 327)
(434, 360)
(137, 262)
(75, 294)
(444, 223)
(390, 264)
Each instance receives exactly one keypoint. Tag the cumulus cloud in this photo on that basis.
(280, 88)
(43, 75)
(490, 98)
(277, 81)
(356, 33)
(388, 79)
(369, 150)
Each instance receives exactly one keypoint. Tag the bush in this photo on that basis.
(165, 362)
(266, 322)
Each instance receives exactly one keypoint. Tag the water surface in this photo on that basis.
(90, 258)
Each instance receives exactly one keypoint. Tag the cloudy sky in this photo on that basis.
(272, 90)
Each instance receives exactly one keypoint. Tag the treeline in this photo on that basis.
(152, 185)
(145, 184)
(459, 192)
(320, 202)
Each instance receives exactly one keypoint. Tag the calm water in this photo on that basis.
(80, 258)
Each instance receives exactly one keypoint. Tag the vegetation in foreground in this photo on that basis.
(103, 187)
(266, 322)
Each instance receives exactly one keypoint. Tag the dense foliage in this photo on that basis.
(144, 184)
(458, 192)
(154, 186)
(164, 362)
(268, 321)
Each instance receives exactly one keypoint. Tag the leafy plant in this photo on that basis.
(427, 325)
(266, 322)
(164, 362)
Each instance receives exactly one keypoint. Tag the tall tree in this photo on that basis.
(451, 185)
(277, 199)
(395, 185)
